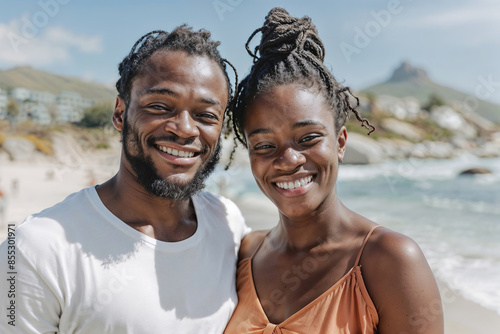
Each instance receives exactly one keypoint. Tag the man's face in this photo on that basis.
(171, 126)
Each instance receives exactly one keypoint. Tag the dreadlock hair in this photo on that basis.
(182, 38)
(290, 52)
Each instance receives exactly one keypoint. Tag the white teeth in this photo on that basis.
(293, 185)
(177, 153)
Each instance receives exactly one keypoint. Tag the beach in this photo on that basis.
(32, 186)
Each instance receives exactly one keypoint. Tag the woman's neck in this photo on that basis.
(326, 224)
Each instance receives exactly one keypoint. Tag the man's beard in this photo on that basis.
(147, 174)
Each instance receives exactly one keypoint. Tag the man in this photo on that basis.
(144, 252)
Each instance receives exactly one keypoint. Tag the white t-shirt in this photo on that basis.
(80, 269)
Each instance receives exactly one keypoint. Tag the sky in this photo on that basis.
(456, 41)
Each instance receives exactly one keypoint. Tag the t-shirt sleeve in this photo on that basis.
(239, 225)
(28, 301)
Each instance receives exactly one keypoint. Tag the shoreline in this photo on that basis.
(43, 184)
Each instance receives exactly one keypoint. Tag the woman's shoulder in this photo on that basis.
(397, 277)
(386, 245)
(251, 242)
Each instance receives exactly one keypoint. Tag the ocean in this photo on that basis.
(455, 219)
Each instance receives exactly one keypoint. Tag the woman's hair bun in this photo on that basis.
(283, 34)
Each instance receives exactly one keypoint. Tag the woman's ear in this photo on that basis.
(119, 113)
(341, 143)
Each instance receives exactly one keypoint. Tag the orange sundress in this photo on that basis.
(345, 308)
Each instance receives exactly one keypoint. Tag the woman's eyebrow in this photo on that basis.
(259, 131)
(308, 122)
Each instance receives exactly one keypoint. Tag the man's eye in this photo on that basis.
(160, 108)
(208, 116)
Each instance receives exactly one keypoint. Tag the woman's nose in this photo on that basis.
(289, 159)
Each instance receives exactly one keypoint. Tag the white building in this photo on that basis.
(66, 113)
(42, 97)
(4, 100)
(43, 107)
(20, 94)
(37, 112)
(74, 100)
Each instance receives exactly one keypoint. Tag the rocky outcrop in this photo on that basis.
(406, 72)
(19, 149)
(475, 170)
(405, 130)
(362, 150)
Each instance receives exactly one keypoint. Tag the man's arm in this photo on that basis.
(28, 303)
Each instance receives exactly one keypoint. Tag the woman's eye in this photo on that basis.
(308, 138)
(262, 147)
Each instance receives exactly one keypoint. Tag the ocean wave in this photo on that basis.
(419, 169)
(475, 279)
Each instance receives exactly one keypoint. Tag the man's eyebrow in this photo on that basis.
(161, 91)
(208, 100)
(166, 91)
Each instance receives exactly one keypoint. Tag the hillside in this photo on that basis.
(34, 79)
(411, 81)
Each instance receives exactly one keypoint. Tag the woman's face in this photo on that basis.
(294, 148)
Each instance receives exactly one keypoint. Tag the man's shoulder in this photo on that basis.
(218, 208)
(51, 221)
(71, 203)
(216, 200)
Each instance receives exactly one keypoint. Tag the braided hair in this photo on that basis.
(182, 38)
(290, 52)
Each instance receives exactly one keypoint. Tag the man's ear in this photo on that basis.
(119, 113)
(342, 141)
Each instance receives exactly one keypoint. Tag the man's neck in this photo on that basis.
(163, 219)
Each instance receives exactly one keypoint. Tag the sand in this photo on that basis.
(30, 187)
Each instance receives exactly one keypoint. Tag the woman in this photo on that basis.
(323, 268)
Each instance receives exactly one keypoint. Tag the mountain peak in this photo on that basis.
(407, 72)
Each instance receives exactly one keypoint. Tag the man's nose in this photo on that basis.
(182, 125)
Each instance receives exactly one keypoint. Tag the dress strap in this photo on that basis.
(260, 244)
(364, 244)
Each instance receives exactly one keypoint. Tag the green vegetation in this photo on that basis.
(433, 131)
(2, 138)
(102, 146)
(12, 109)
(434, 101)
(43, 145)
(422, 91)
(97, 116)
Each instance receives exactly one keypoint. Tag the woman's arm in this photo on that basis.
(401, 285)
